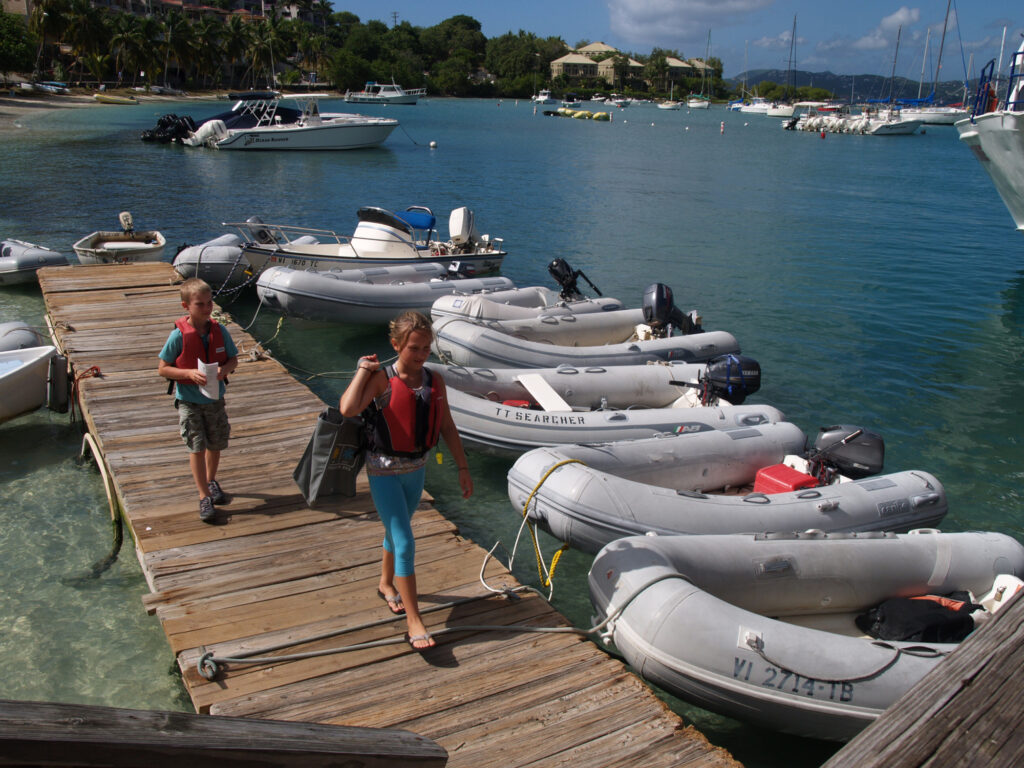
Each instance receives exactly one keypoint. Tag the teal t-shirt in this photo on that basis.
(172, 348)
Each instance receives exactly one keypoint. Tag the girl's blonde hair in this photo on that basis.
(402, 326)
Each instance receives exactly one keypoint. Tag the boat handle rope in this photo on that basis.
(209, 664)
(756, 644)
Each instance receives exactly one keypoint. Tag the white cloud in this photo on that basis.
(672, 22)
(884, 35)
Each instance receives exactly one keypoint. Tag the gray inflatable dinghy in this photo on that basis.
(20, 260)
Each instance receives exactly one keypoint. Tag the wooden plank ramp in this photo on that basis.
(279, 573)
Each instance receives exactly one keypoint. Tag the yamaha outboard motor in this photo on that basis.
(566, 278)
(731, 377)
(662, 315)
(847, 450)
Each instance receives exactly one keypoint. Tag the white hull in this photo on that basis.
(17, 335)
(698, 104)
(334, 298)
(381, 239)
(934, 115)
(352, 132)
(997, 140)
(120, 247)
(465, 343)
(673, 105)
(516, 410)
(20, 260)
(896, 127)
(781, 110)
(677, 485)
(807, 670)
(23, 374)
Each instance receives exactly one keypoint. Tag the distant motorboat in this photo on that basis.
(758, 105)
(384, 93)
(23, 377)
(544, 97)
(121, 247)
(19, 261)
(381, 238)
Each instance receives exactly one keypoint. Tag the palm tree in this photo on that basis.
(209, 47)
(124, 33)
(87, 31)
(235, 43)
(265, 49)
(48, 22)
(178, 41)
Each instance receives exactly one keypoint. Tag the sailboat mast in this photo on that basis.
(942, 43)
(790, 77)
(924, 60)
(892, 77)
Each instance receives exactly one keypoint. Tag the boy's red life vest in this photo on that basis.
(409, 424)
(192, 348)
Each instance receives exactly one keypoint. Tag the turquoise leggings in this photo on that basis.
(396, 498)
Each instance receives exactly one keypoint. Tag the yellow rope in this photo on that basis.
(545, 580)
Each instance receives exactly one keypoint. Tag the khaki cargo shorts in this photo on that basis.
(204, 426)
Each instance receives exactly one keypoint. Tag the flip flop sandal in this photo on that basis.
(394, 602)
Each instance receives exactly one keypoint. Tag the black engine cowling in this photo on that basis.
(662, 315)
(732, 377)
(567, 277)
(853, 451)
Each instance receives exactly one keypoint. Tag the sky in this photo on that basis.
(839, 36)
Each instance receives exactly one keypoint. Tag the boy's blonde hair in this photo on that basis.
(407, 322)
(194, 287)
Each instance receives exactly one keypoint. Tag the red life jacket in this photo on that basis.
(408, 425)
(192, 348)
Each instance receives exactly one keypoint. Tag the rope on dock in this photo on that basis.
(100, 566)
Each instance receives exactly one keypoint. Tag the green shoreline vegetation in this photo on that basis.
(76, 42)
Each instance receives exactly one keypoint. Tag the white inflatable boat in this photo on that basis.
(20, 260)
(745, 480)
(335, 297)
(219, 262)
(761, 627)
(23, 377)
(516, 410)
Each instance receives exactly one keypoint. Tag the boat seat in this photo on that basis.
(542, 392)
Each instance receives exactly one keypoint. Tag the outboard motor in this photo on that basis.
(566, 278)
(846, 450)
(125, 219)
(662, 315)
(731, 377)
(259, 234)
(457, 270)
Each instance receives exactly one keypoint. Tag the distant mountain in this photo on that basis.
(863, 87)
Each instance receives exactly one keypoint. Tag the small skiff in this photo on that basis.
(122, 247)
(17, 335)
(761, 627)
(20, 260)
(516, 410)
(23, 375)
(219, 262)
(708, 482)
(333, 297)
(466, 343)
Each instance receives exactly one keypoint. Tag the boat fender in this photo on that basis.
(518, 403)
(58, 384)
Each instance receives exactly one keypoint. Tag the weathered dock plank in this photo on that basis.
(965, 712)
(279, 575)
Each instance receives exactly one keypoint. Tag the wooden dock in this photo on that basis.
(965, 712)
(278, 573)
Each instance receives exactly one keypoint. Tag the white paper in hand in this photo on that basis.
(211, 388)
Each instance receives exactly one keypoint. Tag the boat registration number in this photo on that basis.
(790, 682)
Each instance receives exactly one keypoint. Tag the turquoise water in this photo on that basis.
(877, 280)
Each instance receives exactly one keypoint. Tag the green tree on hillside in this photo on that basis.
(17, 45)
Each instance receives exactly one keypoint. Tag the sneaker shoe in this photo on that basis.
(216, 494)
(206, 510)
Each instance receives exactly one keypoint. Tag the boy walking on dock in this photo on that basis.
(196, 343)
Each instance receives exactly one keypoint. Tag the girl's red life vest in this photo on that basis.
(409, 424)
(192, 348)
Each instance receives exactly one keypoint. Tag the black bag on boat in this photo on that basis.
(333, 457)
(928, 619)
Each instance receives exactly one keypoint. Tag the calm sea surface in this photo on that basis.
(878, 281)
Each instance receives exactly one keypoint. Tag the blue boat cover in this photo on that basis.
(417, 219)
